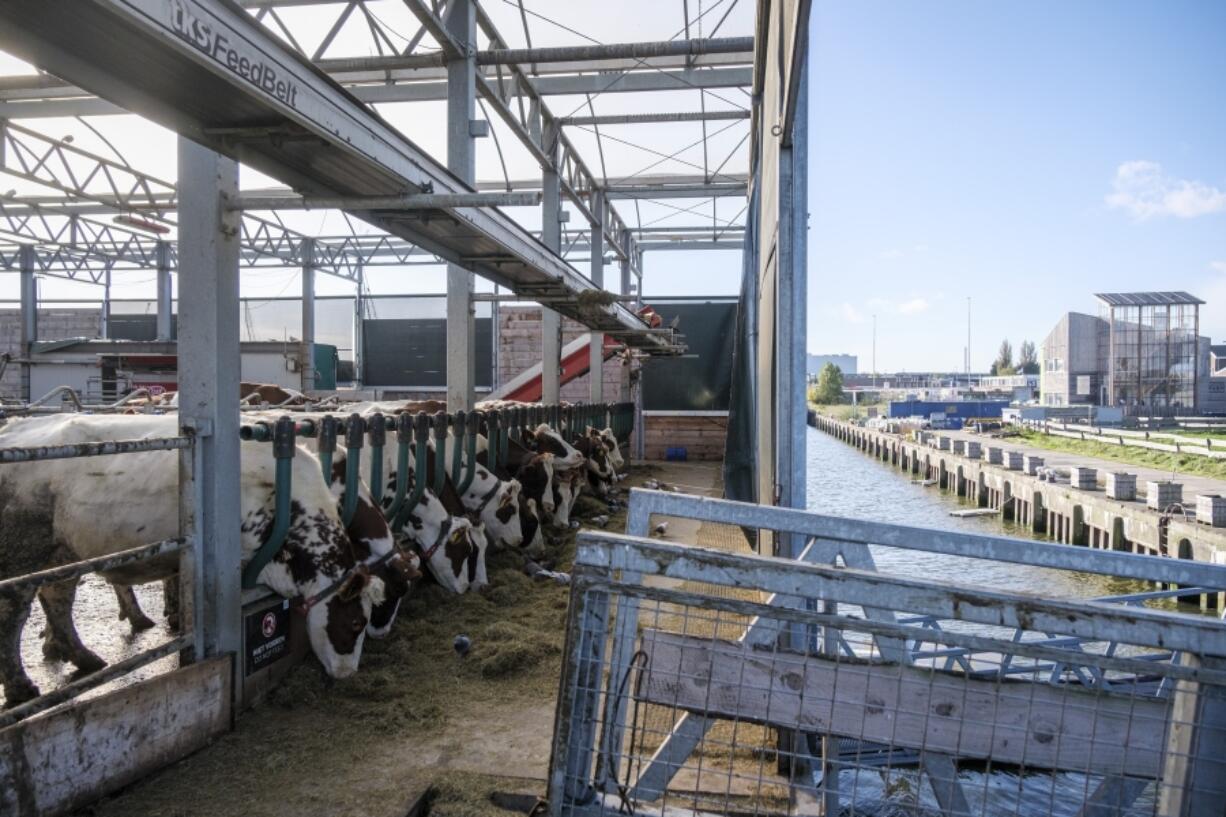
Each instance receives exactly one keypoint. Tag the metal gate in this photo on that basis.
(706, 681)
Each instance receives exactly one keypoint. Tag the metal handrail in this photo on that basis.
(98, 449)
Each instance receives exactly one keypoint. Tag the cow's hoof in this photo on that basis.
(141, 623)
(18, 692)
(87, 663)
(55, 651)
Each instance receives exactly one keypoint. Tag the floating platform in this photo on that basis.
(965, 512)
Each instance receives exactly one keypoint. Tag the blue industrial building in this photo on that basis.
(954, 412)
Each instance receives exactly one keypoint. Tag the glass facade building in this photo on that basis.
(1151, 354)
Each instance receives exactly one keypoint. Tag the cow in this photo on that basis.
(59, 511)
(611, 446)
(492, 500)
(451, 546)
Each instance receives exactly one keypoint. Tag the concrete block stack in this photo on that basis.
(1121, 486)
(1031, 464)
(519, 347)
(55, 323)
(944, 442)
(1013, 460)
(1160, 495)
(1085, 479)
(960, 447)
(1211, 510)
(973, 449)
(993, 455)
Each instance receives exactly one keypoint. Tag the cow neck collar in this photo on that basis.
(488, 497)
(428, 553)
(304, 605)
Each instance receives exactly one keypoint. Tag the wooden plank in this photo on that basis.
(59, 761)
(1028, 724)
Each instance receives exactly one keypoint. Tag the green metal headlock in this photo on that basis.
(355, 434)
(376, 430)
(327, 445)
(421, 434)
(493, 440)
(440, 451)
(457, 451)
(283, 451)
(471, 426)
(404, 431)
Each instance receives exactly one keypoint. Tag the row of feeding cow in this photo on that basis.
(346, 578)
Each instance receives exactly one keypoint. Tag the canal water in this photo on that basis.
(844, 481)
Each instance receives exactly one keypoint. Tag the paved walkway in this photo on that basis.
(1192, 484)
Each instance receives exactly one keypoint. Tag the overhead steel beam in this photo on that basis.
(417, 201)
(672, 80)
(205, 68)
(358, 71)
(655, 118)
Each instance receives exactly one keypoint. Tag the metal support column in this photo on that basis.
(461, 22)
(596, 359)
(624, 289)
(104, 322)
(640, 426)
(306, 358)
(359, 317)
(29, 315)
(551, 235)
(165, 293)
(791, 294)
(209, 364)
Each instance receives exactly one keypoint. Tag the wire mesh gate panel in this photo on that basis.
(812, 688)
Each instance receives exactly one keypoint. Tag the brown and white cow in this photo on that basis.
(449, 545)
(59, 511)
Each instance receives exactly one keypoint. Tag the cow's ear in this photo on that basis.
(353, 586)
(456, 536)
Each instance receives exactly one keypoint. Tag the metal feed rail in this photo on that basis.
(413, 431)
(59, 573)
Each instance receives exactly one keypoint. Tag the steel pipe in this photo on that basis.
(76, 569)
(654, 118)
(64, 452)
(96, 679)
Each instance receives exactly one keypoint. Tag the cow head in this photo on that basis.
(609, 440)
(500, 516)
(536, 476)
(318, 561)
(456, 557)
(565, 455)
(530, 522)
(398, 573)
(372, 539)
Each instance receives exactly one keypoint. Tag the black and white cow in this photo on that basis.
(59, 511)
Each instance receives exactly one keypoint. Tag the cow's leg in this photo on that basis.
(129, 608)
(14, 610)
(61, 641)
(170, 602)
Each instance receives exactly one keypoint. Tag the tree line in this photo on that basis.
(1027, 359)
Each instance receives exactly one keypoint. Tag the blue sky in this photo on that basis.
(1024, 154)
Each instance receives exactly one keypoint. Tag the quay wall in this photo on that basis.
(1065, 513)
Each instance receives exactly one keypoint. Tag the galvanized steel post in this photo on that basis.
(596, 359)
(29, 315)
(460, 20)
(306, 358)
(209, 365)
(165, 293)
(790, 462)
(551, 235)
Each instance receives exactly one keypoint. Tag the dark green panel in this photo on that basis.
(413, 352)
(699, 381)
